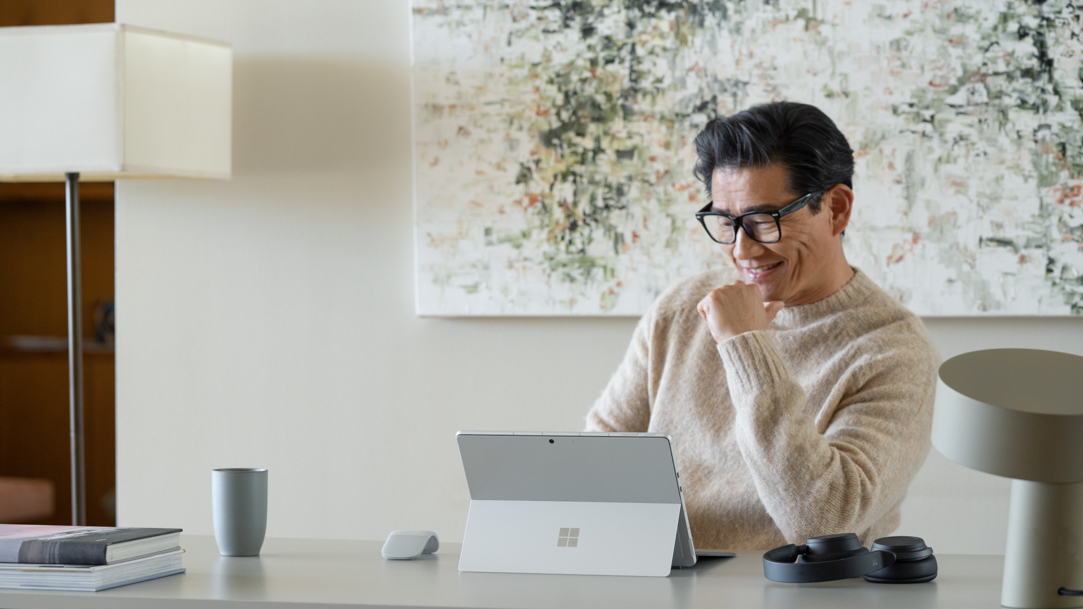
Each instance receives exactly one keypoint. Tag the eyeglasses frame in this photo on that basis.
(738, 224)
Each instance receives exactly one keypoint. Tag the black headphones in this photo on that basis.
(893, 560)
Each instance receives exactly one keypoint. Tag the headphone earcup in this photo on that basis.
(914, 561)
(915, 572)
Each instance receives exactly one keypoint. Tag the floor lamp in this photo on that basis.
(105, 102)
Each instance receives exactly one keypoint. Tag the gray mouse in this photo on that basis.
(408, 545)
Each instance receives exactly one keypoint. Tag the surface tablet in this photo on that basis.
(573, 503)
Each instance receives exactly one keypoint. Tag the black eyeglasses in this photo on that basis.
(763, 226)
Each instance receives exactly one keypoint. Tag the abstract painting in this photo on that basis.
(554, 162)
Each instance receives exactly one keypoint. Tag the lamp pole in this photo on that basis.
(179, 81)
(75, 352)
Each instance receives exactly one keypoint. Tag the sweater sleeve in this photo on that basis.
(846, 478)
(625, 403)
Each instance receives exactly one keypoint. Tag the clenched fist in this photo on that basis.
(735, 309)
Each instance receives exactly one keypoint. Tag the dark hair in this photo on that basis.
(799, 136)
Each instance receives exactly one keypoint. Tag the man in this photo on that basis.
(799, 395)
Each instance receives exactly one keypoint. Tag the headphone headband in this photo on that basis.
(783, 565)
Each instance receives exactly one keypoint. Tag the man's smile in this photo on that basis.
(760, 271)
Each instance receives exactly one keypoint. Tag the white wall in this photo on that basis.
(268, 321)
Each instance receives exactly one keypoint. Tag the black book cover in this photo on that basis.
(54, 545)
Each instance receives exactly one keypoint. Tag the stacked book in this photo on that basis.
(85, 559)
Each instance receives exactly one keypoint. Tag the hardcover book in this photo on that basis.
(90, 578)
(64, 545)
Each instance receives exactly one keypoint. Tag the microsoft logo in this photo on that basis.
(568, 538)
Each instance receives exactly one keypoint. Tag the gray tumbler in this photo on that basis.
(239, 500)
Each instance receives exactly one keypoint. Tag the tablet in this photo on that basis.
(573, 503)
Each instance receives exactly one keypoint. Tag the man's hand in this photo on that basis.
(735, 309)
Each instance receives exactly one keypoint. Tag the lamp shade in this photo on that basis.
(1016, 413)
(112, 101)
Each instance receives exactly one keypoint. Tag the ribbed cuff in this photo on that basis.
(752, 363)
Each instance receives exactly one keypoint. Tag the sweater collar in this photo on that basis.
(856, 290)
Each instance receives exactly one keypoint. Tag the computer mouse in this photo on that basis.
(408, 545)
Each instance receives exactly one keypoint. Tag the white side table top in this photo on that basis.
(333, 573)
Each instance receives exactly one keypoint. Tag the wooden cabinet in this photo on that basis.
(34, 430)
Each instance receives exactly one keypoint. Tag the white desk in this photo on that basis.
(322, 574)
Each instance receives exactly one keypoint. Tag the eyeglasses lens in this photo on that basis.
(720, 228)
(763, 227)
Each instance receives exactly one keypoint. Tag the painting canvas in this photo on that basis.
(554, 161)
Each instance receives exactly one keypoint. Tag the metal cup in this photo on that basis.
(239, 501)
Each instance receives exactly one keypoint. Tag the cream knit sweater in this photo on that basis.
(811, 427)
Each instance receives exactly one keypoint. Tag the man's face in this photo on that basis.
(796, 269)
